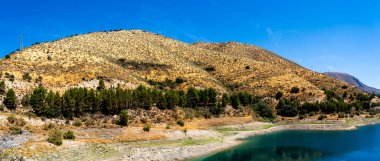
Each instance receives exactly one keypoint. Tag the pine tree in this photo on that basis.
(161, 103)
(245, 98)
(2, 87)
(181, 98)
(68, 104)
(37, 100)
(147, 100)
(57, 104)
(49, 103)
(211, 97)
(123, 118)
(225, 100)
(235, 102)
(172, 99)
(101, 85)
(10, 100)
(192, 98)
(203, 97)
(264, 110)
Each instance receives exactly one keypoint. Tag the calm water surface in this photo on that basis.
(356, 145)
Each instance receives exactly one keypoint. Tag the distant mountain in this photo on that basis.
(353, 81)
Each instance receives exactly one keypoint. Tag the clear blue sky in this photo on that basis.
(323, 35)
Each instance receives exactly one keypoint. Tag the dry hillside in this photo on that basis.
(134, 57)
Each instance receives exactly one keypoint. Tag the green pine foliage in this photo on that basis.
(225, 100)
(123, 118)
(10, 100)
(55, 137)
(37, 100)
(235, 102)
(101, 85)
(2, 87)
(192, 98)
(264, 110)
(69, 135)
(77, 102)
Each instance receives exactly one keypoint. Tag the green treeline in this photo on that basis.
(76, 102)
(333, 104)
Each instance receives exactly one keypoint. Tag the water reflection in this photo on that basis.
(277, 153)
(362, 144)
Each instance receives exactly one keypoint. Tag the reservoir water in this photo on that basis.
(362, 144)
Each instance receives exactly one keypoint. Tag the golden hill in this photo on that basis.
(134, 57)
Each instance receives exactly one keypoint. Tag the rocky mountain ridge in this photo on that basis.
(353, 81)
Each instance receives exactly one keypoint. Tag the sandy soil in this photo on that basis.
(197, 138)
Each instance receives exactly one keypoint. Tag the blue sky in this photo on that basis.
(323, 35)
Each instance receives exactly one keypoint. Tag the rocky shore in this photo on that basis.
(180, 145)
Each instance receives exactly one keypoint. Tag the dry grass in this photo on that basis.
(137, 134)
(208, 123)
(79, 60)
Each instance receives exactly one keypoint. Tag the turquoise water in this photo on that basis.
(355, 145)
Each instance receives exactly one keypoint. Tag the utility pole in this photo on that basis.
(21, 46)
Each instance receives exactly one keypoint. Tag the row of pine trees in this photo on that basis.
(76, 102)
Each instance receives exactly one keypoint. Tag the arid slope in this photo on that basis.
(134, 57)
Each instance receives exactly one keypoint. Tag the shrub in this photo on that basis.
(55, 137)
(210, 68)
(372, 112)
(11, 119)
(235, 102)
(30, 114)
(77, 123)
(301, 117)
(101, 85)
(39, 79)
(123, 118)
(247, 67)
(179, 80)
(7, 56)
(322, 117)
(20, 122)
(181, 123)
(146, 128)
(48, 126)
(27, 77)
(10, 99)
(312, 113)
(69, 135)
(294, 90)
(225, 100)
(264, 110)
(2, 107)
(216, 110)
(279, 95)
(11, 77)
(15, 130)
(89, 122)
(288, 111)
(25, 101)
(341, 115)
(2, 87)
(122, 60)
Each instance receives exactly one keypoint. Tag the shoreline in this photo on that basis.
(238, 139)
(195, 143)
